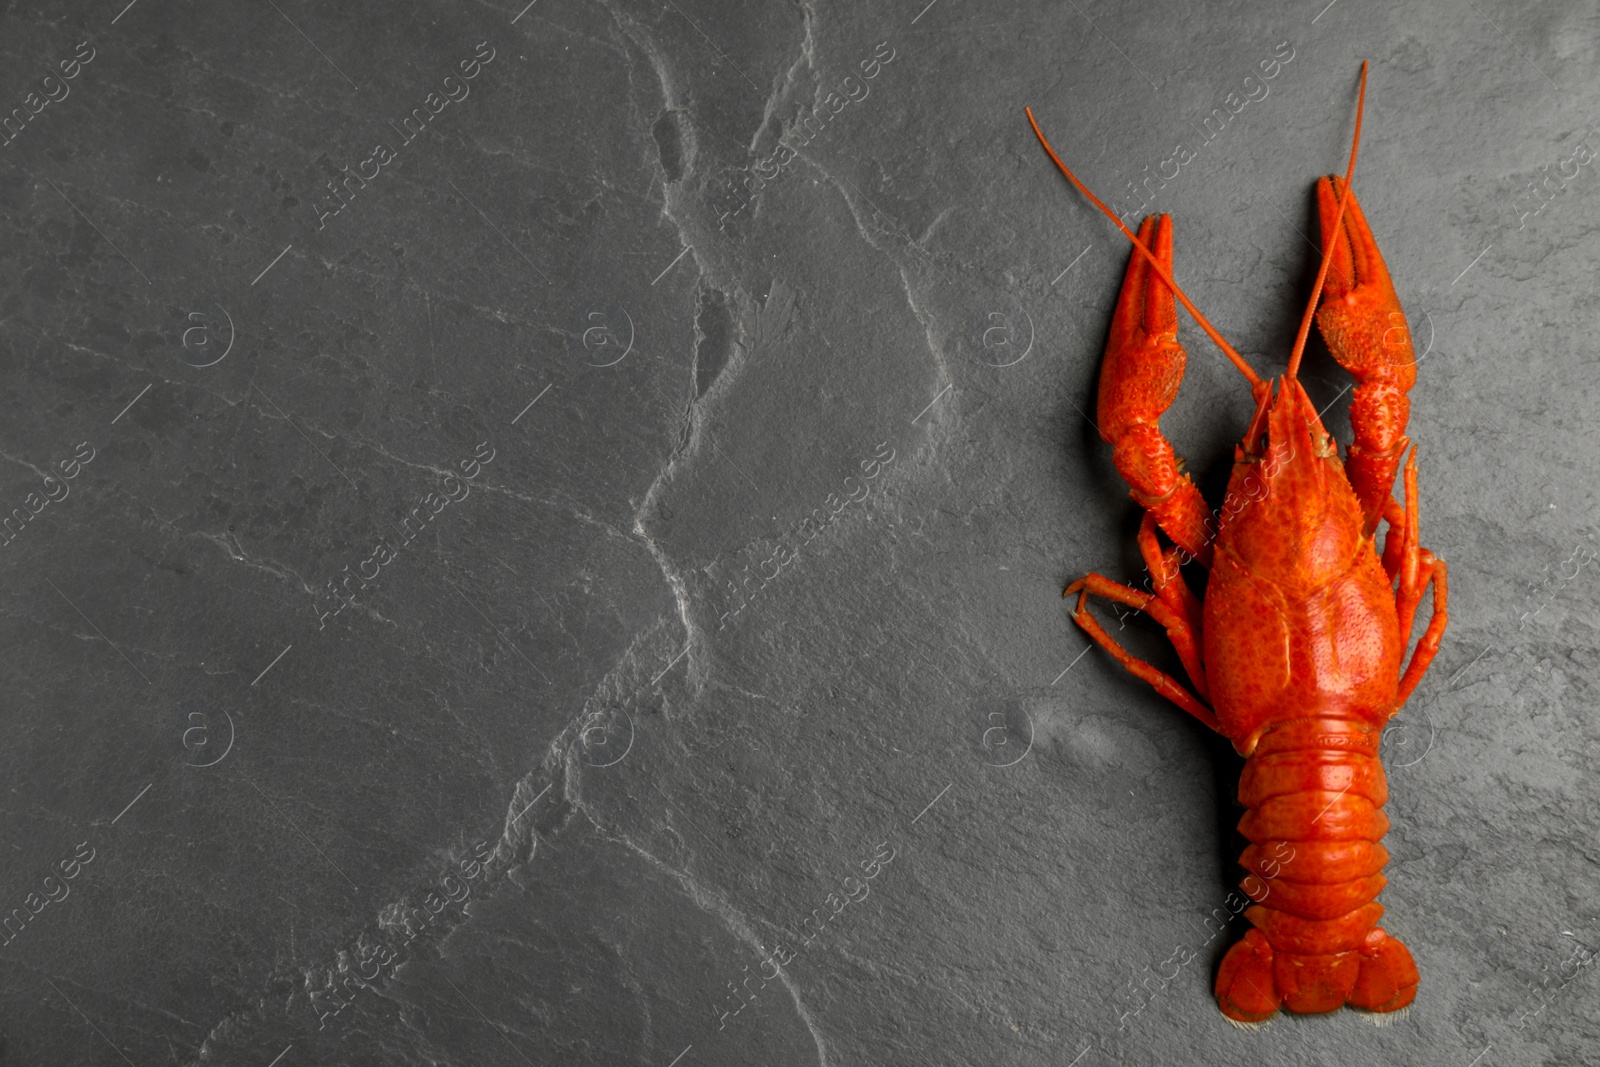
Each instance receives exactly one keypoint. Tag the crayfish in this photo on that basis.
(1295, 654)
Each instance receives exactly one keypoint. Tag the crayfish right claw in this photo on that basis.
(1366, 331)
(1360, 315)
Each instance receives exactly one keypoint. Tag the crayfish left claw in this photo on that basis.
(1139, 380)
(1366, 331)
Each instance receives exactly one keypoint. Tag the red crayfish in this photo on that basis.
(1295, 654)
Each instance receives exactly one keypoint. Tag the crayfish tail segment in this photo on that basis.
(1366, 331)
(1388, 978)
(1255, 980)
(1246, 990)
(1139, 380)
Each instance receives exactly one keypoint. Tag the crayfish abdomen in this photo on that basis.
(1315, 789)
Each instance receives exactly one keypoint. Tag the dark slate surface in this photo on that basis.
(595, 767)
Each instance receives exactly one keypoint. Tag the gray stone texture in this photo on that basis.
(721, 704)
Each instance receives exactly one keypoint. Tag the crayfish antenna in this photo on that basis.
(1338, 224)
(1166, 275)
